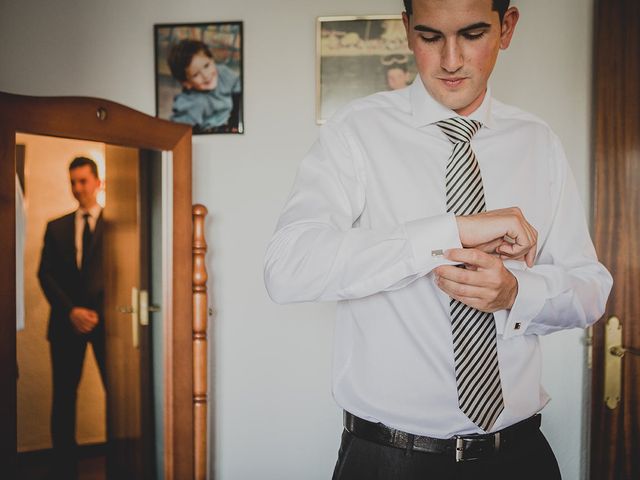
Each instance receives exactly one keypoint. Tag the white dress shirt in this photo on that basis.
(366, 211)
(94, 213)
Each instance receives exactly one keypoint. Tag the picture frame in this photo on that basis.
(357, 56)
(204, 89)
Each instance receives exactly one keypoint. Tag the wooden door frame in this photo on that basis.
(108, 122)
(616, 201)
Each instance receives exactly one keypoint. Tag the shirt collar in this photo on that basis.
(427, 111)
(94, 211)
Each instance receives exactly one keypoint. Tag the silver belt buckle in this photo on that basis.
(459, 449)
(460, 441)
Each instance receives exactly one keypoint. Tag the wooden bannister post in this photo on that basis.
(200, 316)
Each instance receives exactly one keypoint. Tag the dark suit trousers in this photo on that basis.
(360, 459)
(67, 359)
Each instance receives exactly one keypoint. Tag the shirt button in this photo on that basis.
(517, 326)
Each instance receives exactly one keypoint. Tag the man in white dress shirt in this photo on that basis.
(438, 367)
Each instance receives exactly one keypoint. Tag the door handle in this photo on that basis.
(139, 311)
(145, 308)
(134, 311)
(614, 351)
(619, 350)
(135, 301)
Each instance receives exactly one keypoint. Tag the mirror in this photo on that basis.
(151, 404)
(121, 354)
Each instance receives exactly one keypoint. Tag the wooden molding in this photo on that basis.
(200, 316)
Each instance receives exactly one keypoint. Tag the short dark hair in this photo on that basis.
(500, 6)
(84, 161)
(182, 53)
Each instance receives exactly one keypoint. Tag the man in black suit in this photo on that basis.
(71, 276)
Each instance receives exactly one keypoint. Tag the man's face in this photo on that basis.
(456, 44)
(202, 73)
(84, 185)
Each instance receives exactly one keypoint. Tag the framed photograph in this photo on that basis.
(198, 73)
(358, 56)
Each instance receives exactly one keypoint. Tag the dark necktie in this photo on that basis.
(474, 332)
(86, 241)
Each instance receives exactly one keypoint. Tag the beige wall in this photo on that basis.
(48, 196)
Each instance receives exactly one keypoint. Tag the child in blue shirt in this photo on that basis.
(210, 97)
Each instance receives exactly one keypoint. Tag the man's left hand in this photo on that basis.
(485, 284)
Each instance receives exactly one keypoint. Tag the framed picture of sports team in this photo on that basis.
(199, 75)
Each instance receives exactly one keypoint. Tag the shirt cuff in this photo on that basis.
(429, 238)
(528, 304)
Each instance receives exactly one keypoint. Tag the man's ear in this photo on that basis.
(406, 22)
(186, 84)
(509, 22)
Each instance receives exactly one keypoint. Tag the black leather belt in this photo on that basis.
(462, 447)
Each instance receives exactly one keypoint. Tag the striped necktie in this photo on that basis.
(474, 332)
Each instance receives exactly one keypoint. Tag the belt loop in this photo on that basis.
(410, 441)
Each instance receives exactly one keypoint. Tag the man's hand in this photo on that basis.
(485, 284)
(505, 232)
(83, 320)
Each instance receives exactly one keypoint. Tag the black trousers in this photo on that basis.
(67, 359)
(360, 459)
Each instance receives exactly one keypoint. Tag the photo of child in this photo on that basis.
(199, 76)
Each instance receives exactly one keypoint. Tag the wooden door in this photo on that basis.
(615, 433)
(127, 345)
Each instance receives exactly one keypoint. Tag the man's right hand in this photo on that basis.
(83, 320)
(505, 232)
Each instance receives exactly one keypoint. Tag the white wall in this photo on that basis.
(274, 416)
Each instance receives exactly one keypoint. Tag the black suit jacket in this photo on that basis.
(64, 285)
